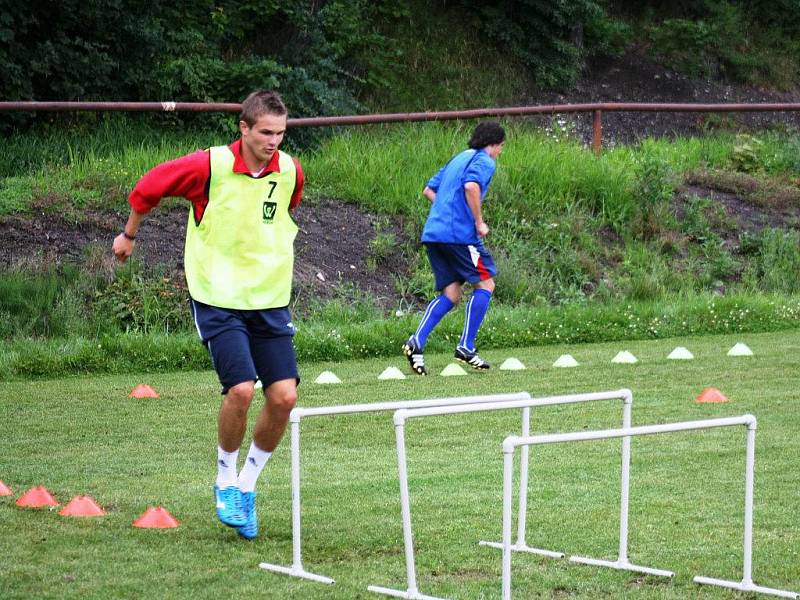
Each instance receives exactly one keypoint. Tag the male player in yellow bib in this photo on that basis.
(238, 259)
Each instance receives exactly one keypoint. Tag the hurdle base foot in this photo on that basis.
(296, 572)
(620, 565)
(744, 586)
(408, 594)
(524, 548)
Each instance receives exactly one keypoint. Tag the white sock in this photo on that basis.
(255, 461)
(226, 468)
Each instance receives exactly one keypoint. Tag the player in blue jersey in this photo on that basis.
(453, 236)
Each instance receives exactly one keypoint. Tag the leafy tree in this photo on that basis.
(546, 36)
(324, 55)
(77, 49)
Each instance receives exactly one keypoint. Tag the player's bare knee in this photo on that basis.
(240, 396)
(453, 294)
(283, 401)
(486, 284)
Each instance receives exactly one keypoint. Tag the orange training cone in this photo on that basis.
(82, 506)
(711, 395)
(4, 489)
(37, 497)
(156, 517)
(143, 391)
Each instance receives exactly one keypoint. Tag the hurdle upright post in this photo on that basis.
(508, 476)
(747, 584)
(522, 513)
(296, 569)
(411, 592)
(521, 545)
(625, 485)
(622, 563)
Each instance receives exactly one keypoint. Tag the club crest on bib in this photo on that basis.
(268, 211)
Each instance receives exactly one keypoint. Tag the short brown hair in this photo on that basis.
(259, 103)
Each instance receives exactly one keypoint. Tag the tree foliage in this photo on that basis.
(547, 37)
(321, 53)
(747, 41)
(190, 50)
(75, 49)
(325, 55)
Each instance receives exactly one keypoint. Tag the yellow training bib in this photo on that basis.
(241, 255)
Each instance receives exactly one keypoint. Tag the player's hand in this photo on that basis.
(482, 229)
(122, 247)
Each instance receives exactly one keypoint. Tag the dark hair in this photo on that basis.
(486, 134)
(259, 103)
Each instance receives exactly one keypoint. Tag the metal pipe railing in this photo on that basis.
(596, 108)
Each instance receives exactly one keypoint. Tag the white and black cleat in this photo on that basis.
(415, 358)
(472, 359)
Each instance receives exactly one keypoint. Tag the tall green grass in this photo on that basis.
(386, 167)
(95, 165)
(777, 262)
(91, 144)
(382, 167)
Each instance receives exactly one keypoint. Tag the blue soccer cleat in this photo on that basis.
(230, 509)
(250, 529)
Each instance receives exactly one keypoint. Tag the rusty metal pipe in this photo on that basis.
(33, 106)
(513, 111)
(597, 131)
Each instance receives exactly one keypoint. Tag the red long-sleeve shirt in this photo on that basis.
(188, 177)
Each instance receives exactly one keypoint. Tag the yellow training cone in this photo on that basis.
(391, 373)
(512, 364)
(327, 377)
(565, 361)
(452, 370)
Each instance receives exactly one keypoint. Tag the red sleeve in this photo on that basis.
(299, 182)
(185, 177)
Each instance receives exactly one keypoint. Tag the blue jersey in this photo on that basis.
(450, 220)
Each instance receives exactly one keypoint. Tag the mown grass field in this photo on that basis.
(85, 436)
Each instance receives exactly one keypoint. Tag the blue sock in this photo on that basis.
(437, 309)
(474, 313)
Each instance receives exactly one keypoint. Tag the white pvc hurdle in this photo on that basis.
(745, 585)
(400, 416)
(296, 569)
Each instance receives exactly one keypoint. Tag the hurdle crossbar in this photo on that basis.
(749, 421)
(296, 569)
(400, 416)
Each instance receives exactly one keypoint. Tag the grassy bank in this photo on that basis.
(588, 248)
(566, 225)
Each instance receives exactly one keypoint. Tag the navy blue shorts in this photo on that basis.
(459, 263)
(246, 345)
